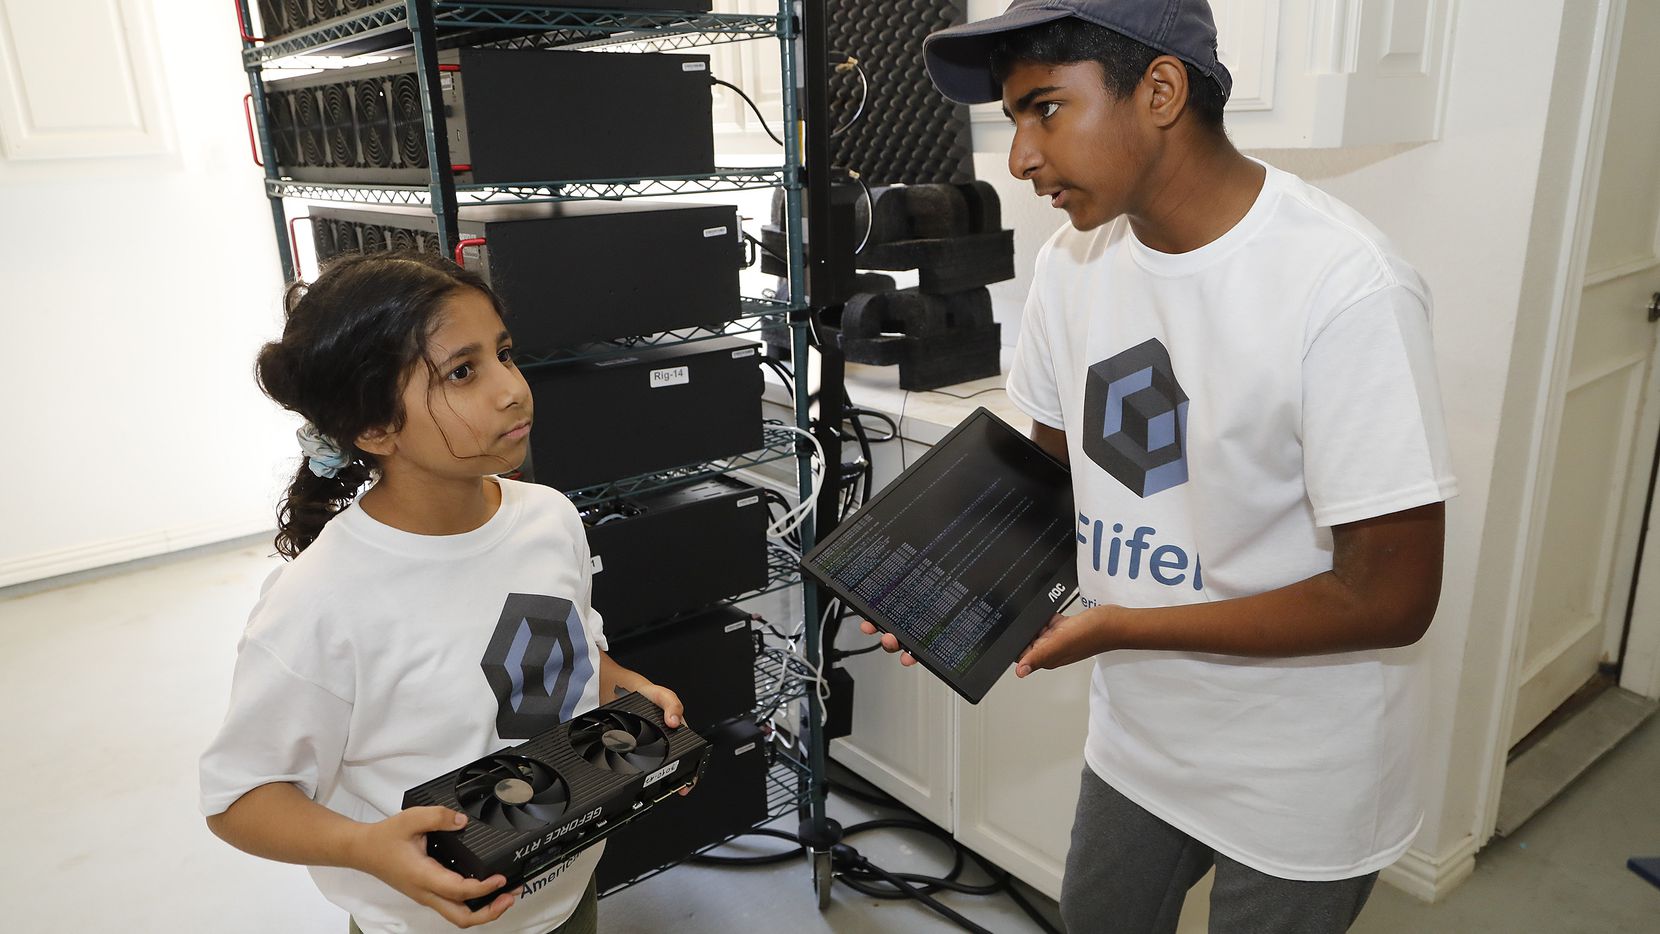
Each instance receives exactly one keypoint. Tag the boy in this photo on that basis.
(1238, 369)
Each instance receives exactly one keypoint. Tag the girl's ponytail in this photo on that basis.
(311, 501)
(348, 344)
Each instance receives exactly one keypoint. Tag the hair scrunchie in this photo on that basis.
(323, 455)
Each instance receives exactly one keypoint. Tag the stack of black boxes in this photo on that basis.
(583, 283)
(940, 332)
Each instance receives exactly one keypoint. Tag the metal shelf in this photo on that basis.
(722, 179)
(783, 570)
(785, 783)
(780, 443)
(635, 30)
(549, 28)
(757, 314)
(419, 28)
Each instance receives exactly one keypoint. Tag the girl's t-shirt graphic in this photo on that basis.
(537, 664)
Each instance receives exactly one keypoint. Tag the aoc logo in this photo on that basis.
(537, 664)
(1135, 419)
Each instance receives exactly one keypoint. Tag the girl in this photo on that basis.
(438, 616)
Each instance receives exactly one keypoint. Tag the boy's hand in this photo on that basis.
(889, 643)
(673, 713)
(395, 852)
(1062, 641)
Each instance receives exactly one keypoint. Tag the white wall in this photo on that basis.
(1462, 210)
(137, 292)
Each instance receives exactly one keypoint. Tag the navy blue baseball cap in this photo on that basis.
(959, 58)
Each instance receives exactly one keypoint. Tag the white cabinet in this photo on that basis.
(905, 724)
(1314, 73)
(1002, 775)
(1020, 755)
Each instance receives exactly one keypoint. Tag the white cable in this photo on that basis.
(796, 515)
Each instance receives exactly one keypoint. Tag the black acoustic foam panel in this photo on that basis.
(909, 132)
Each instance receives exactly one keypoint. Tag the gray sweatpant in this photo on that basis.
(1127, 872)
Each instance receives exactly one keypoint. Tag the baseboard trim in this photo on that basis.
(1430, 878)
(38, 567)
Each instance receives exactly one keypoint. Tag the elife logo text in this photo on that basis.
(1122, 554)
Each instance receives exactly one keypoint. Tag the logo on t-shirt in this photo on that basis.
(1135, 419)
(537, 664)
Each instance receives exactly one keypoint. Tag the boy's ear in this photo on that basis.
(1167, 77)
(380, 442)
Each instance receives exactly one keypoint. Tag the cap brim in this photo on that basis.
(959, 58)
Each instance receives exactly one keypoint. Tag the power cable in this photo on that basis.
(752, 106)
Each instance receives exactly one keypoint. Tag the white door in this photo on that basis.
(1598, 481)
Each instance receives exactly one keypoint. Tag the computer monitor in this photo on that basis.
(965, 556)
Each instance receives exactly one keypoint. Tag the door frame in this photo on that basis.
(1583, 180)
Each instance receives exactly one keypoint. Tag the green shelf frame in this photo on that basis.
(536, 27)
(723, 179)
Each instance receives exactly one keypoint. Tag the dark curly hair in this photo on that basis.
(1124, 61)
(349, 339)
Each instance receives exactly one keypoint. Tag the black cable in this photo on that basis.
(783, 373)
(869, 472)
(864, 96)
(911, 891)
(1001, 881)
(969, 396)
(767, 624)
(752, 106)
(853, 412)
(1031, 910)
(763, 248)
(764, 859)
(870, 212)
(858, 873)
(902, 405)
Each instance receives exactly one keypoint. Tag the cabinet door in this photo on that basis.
(904, 722)
(1020, 755)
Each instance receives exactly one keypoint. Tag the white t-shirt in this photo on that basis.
(1223, 409)
(379, 659)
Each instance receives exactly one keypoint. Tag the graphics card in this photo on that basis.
(536, 804)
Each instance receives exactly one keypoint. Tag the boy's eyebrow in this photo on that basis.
(1025, 102)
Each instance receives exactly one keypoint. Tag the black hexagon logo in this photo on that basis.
(537, 664)
(1135, 419)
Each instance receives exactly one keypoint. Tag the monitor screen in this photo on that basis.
(964, 556)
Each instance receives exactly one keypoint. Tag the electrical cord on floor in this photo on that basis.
(857, 872)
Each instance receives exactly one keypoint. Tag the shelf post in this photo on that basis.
(442, 185)
(262, 129)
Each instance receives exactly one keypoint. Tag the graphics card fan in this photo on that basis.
(512, 792)
(618, 742)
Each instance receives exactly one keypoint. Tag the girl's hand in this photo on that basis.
(673, 713)
(394, 851)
